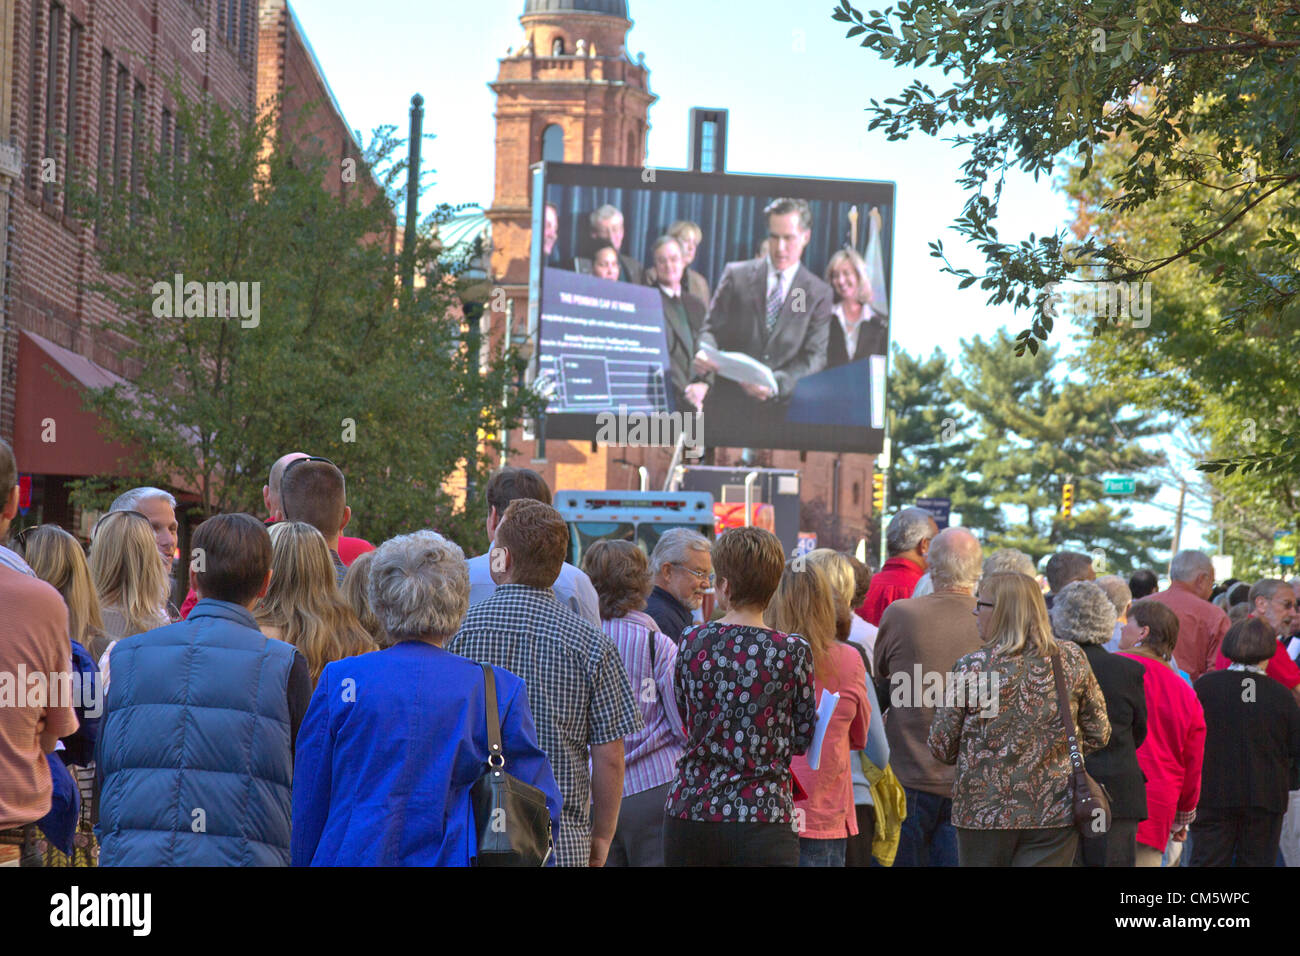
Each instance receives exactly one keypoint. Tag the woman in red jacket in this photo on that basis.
(826, 817)
(1174, 748)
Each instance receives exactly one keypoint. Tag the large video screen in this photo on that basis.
(747, 311)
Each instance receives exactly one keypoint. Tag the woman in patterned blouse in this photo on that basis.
(1001, 726)
(745, 693)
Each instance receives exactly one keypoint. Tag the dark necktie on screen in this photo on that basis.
(774, 300)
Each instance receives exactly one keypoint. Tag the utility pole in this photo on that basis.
(412, 193)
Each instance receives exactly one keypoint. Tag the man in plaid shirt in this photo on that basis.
(578, 689)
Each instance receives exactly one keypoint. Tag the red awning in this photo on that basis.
(47, 408)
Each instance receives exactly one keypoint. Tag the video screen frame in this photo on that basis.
(865, 195)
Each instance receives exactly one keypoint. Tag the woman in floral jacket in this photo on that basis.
(1001, 726)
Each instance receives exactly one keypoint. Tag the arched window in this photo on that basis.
(557, 48)
(553, 144)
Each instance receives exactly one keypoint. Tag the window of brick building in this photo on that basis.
(105, 121)
(76, 35)
(137, 140)
(53, 70)
(165, 137)
(553, 144)
(34, 98)
(120, 131)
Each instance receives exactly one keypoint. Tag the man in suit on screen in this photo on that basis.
(774, 309)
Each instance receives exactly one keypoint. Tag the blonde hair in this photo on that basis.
(127, 572)
(304, 600)
(804, 604)
(355, 591)
(1018, 622)
(842, 580)
(57, 559)
(859, 265)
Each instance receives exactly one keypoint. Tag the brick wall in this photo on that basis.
(145, 44)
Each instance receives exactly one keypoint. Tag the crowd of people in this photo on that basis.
(318, 701)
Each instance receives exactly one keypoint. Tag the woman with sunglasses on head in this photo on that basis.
(1012, 802)
(56, 558)
(129, 580)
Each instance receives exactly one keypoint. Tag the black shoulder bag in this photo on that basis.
(512, 819)
(1089, 800)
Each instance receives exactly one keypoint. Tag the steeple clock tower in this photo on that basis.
(569, 92)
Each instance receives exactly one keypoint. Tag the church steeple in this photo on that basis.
(569, 91)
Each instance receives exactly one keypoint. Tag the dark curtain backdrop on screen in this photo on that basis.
(835, 409)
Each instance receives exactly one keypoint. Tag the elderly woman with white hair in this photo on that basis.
(1084, 613)
(394, 740)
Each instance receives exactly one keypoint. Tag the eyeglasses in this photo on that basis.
(980, 604)
(20, 539)
(699, 575)
(297, 460)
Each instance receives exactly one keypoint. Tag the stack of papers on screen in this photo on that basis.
(740, 367)
(825, 708)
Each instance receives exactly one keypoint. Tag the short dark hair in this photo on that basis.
(314, 492)
(1239, 593)
(784, 206)
(8, 470)
(1065, 567)
(510, 484)
(1249, 642)
(751, 561)
(620, 574)
(1143, 582)
(537, 539)
(236, 555)
(1162, 622)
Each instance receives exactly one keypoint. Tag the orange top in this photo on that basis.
(828, 812)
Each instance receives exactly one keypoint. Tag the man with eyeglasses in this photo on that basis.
(1274, 603)
(682, 568)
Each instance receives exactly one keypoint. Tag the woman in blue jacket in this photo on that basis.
(394, 740)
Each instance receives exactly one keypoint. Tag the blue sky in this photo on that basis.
(797, 92)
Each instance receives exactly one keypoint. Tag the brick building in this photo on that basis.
(85, 90)
(571, 72)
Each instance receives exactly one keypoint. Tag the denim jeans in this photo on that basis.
(822, 852)
(928, 837)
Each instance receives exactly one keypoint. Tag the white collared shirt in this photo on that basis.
(669, 292)
(851, 334)
(787, 279)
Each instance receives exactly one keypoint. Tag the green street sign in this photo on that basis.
(1121, 486)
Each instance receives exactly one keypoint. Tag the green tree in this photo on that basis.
(1203, 94)
(931, 440)
(1032, 432)
(324, 354)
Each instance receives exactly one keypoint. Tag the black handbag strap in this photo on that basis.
(493, 720)
(1067, 720)
(653, 642)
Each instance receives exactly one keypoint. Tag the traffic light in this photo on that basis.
(878, 491)
(1067, 500)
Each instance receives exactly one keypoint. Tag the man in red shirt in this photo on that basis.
(1273, 602)
(908, 543)
(1201, 625)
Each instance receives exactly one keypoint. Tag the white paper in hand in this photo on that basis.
(825, 708)
(740, 367)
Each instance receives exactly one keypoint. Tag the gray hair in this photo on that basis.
(1009, 561)
(1083, 613)
(955, 558)
(419, 586)
(130, 500)
(1117, 590)
(605, 213)
(1264, 589)
(674, 547)
(1186, 565)
(908, 529)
